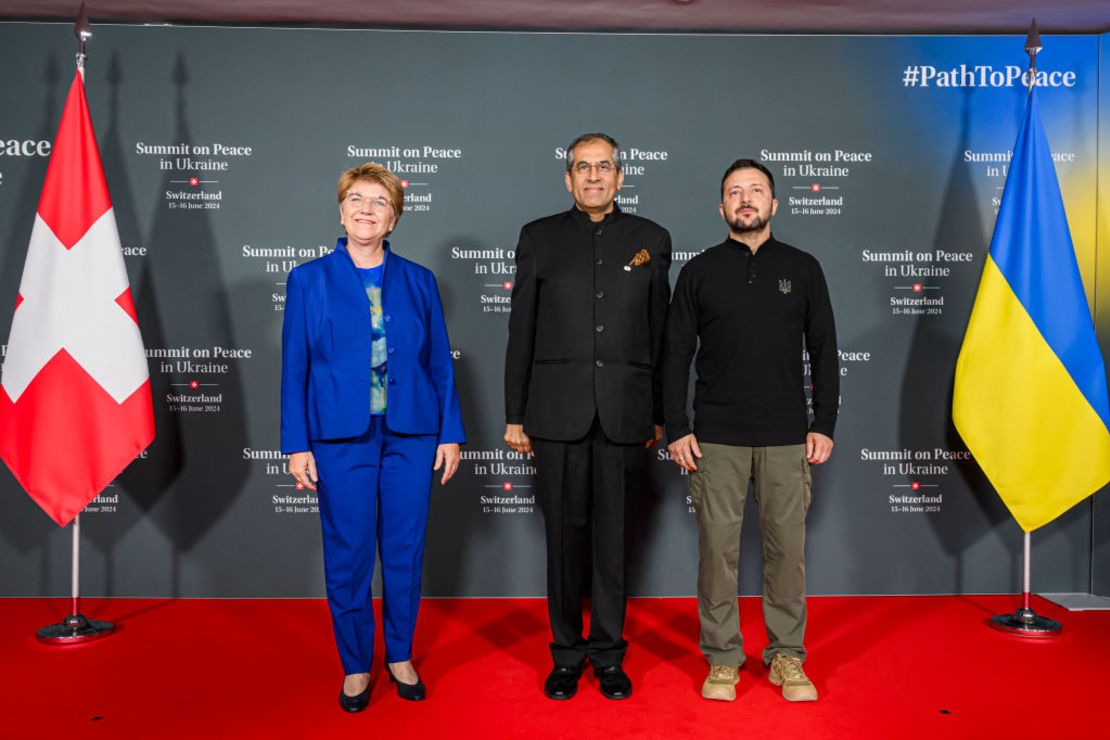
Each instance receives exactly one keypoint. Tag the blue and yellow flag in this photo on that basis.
(1030, 397)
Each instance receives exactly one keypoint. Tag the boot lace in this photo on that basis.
(721, 673)
(790, 668)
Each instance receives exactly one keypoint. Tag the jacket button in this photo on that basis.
(393, 381)
(392, 350)
(598, 232)
(387, 317)
(599, 262)
(600, 294)
(599, 363)
(600, 328)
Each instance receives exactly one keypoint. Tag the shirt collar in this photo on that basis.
(765, 247)
(584, 218)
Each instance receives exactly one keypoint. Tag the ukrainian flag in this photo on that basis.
(1030, 396)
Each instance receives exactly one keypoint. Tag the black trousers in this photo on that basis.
(583, 488)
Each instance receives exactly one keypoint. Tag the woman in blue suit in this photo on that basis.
(368, 410)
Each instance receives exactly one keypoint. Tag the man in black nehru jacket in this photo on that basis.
(582, 391)
(751, 302)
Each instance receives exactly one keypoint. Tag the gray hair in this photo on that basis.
(596, 136)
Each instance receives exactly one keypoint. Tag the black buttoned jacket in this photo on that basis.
(586, 327)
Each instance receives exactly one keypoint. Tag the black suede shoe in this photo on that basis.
(407, 691)
(562, 682)
(615, 683)
(354, 703)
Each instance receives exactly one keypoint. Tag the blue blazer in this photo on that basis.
(325, 353)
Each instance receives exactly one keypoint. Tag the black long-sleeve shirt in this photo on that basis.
(750, 313)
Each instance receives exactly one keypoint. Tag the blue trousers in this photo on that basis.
(373, 493)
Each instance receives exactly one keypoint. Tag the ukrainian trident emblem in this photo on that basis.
(784, 285)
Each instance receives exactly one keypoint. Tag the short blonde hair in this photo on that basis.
(374, 172)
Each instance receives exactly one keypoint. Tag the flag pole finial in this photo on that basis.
(82, 31)
(1033, 47)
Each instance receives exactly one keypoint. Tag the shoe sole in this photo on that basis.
(772, 678)
(559, 698)
(718, 694)
(806, 697)
(800, 698)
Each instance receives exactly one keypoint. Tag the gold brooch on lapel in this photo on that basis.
(640, 258)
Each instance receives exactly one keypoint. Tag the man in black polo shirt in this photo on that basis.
(751, 301)
(582, 391)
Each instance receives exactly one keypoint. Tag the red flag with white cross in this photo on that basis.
(75, 405)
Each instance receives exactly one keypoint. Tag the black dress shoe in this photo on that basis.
(354, 703)
(562, 682)
(407, 691)
(615, 683)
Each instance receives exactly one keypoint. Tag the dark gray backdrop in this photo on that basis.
(474, 121)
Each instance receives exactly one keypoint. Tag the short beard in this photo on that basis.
(739, 227)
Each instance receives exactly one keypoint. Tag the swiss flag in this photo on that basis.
(75, 404)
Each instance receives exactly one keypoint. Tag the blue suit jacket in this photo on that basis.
(325, 353)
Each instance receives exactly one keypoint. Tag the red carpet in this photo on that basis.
(886, 667)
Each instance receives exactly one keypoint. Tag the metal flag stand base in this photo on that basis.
(76, 628)
(1025, 622)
